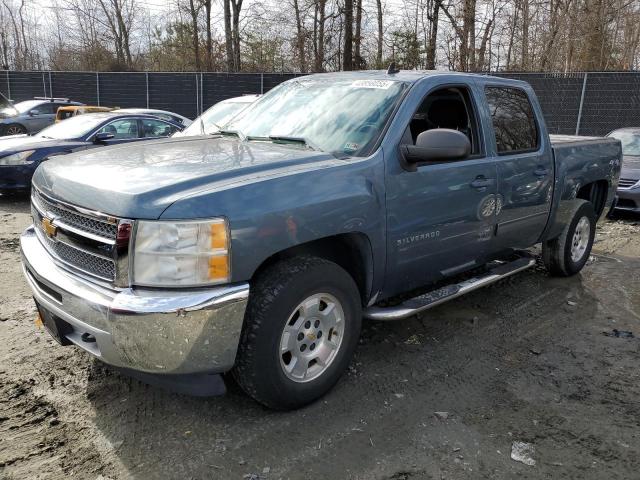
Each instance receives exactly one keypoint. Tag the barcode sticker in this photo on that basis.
(381, 84)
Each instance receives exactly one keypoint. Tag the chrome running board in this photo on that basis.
(429, 300)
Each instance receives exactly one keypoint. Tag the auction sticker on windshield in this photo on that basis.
(381, 84)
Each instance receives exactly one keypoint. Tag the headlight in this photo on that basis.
(184, 254)
(20, 158)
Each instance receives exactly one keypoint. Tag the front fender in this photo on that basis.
(270, 215)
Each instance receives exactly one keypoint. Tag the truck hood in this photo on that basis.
(141, 180)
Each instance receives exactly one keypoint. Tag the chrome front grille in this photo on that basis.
(79, 240)
(81, 222)
(626, 183)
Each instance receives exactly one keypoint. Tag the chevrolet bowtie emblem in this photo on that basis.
(49, 228)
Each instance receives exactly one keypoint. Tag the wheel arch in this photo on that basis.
(352, 251)
(596, 193)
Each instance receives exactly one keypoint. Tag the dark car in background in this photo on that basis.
(31, 116)
(163, 114)
(20, 155)
(628, 194)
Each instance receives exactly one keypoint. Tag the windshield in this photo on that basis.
(630, 142)
(343, 117)
(23, 107)
(74, 127)
(213, 118)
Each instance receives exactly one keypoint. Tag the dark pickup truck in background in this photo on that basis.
(333, 197)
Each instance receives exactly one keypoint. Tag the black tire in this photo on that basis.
(274, 296)
(14, 129)
(557, 253)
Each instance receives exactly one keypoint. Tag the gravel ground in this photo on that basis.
(444, 395)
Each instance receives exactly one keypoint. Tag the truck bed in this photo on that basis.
(564, 140)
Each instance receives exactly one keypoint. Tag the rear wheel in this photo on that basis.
(301, 329)
(567, 254)
(15, 129)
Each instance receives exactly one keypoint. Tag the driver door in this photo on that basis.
(441, 217)
(40, 117)
(124, 131)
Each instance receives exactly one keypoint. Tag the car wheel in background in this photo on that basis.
(14, 129)
(301, 329)
(567, 254)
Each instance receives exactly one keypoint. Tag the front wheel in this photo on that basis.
(567, 254)
(301, 329)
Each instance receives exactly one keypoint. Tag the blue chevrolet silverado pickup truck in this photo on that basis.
(335, 197)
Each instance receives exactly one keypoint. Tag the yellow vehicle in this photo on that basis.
(71, 111)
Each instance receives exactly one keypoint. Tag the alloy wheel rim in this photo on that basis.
(580, 239)
(312, 337)
(14, 131)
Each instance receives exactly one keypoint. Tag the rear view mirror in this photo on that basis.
(102, 137)
(436, 146)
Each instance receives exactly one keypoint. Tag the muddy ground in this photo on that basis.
(523, 360)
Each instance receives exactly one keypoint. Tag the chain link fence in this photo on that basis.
(575, 103)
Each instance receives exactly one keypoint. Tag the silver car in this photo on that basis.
(31, 116)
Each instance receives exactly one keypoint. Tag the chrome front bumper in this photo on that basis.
(152, 331)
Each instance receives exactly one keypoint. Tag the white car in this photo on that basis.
(163, 114)
(217, 116)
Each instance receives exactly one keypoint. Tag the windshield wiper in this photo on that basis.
(232, 133)
(298, 140)
(255, 138)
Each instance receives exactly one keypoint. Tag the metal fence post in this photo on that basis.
(584, 87)
(197, 95)
(50, 85)
(44, 85)
(201, 94)
(261, 83)
(146, 75)
(98, 87)
(8, 86)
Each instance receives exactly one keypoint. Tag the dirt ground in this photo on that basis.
(524, 360)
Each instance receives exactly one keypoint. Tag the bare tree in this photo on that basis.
(347, 56)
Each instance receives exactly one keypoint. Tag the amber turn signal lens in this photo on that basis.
(219, 236)
(219, 268)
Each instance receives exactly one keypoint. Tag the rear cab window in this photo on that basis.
(513, 119)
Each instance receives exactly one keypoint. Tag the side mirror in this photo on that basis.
(33, 113)
(102, 137)
(436, 146)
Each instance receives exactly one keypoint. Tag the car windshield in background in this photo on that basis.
(21, 107)
(343, 117)
(630, 142)
(74, 127)
(214, 118)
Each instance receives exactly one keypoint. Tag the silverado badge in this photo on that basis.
(49, 228)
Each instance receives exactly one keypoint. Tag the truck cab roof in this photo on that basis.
(410, 76)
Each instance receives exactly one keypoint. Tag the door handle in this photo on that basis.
(481, 183)
(541, 172)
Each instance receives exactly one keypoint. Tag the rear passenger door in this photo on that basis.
(525, 167)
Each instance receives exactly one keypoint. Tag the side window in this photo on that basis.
(122, 129)
(449, 107)
(43, 109)
(514, 122)
(156, 128)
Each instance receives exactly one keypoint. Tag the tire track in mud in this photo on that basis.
(35, 442)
